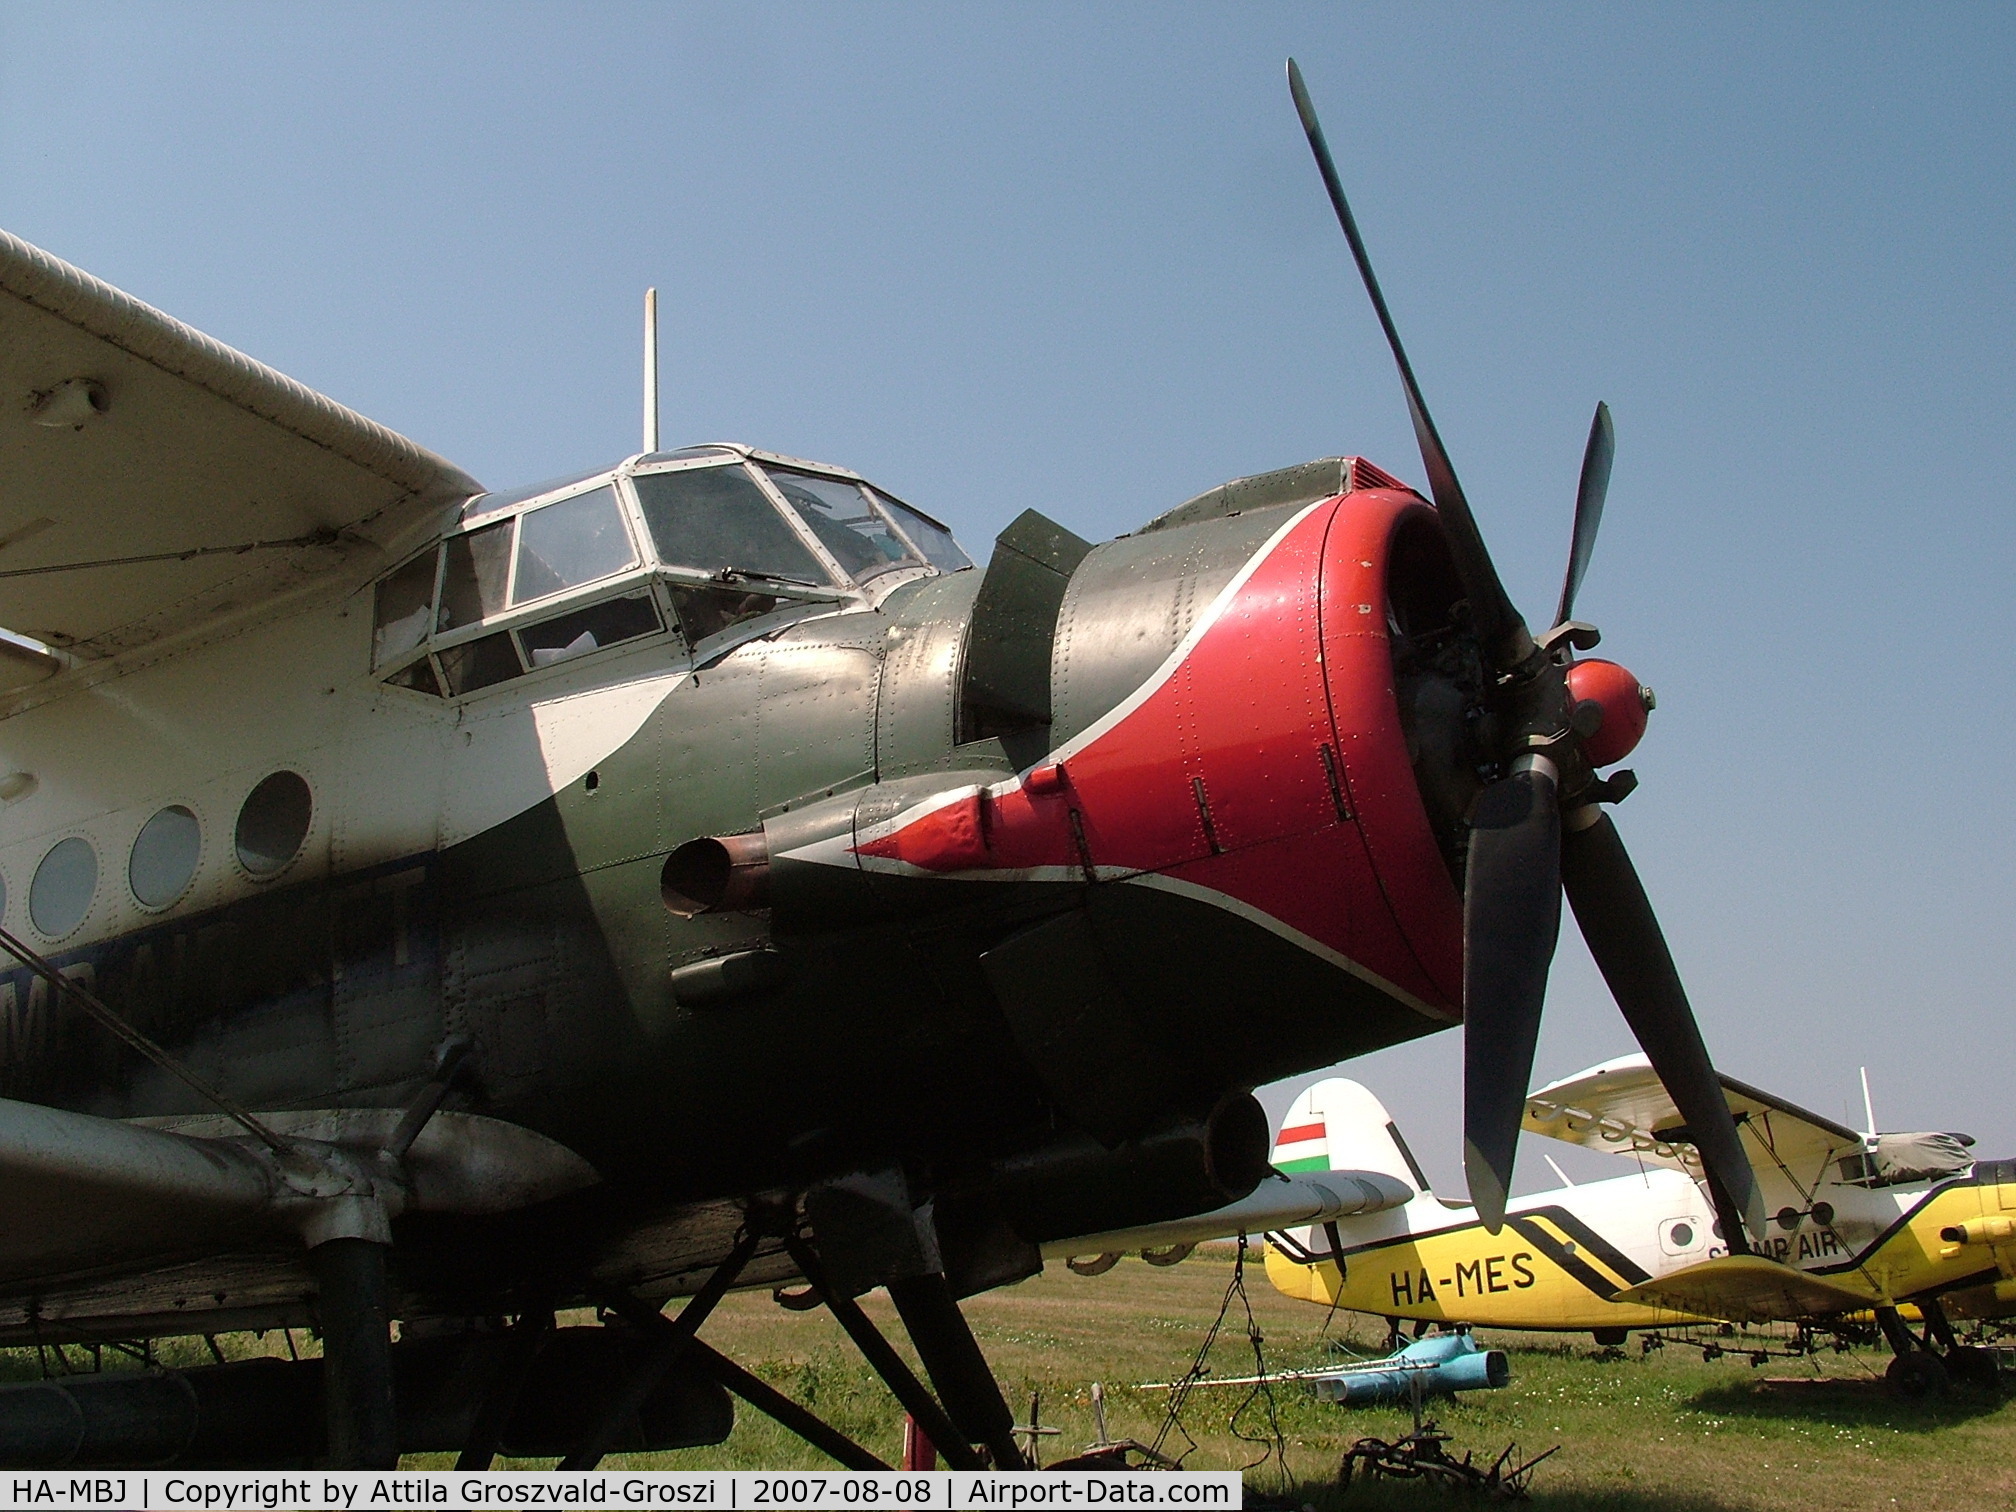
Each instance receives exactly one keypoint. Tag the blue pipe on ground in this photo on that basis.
(1439, 1366)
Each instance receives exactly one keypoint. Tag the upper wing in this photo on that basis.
(124, 433)
(1746, 1289)
(1278, 1202)
(1622, 1108)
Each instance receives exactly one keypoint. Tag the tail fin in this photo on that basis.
(1337, 1125)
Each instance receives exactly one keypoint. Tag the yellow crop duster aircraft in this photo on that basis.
(1562, 1260)
(1862, 1223)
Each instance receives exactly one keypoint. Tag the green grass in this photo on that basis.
(1667, 1431)
(1664, 1431)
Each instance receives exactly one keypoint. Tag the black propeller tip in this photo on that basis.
(1299, 92)
(1503, 633)
(1597, 456)
(1487, 1187)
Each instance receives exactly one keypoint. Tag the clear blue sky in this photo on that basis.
(1077, 258)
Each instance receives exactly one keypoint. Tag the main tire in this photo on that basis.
(1917, 1374)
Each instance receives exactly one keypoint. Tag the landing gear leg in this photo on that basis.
(763, 1397)
(506, 1386)
(971, 1395)
(664, 1351)
(1916, 1372)
(782, 1410)
(356, 1354)
(897, 1376)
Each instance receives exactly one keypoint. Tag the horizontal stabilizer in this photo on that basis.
(1746, 1289)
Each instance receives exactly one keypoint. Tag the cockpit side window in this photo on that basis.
(717, 519)
(419, 677)
(405, 600)
(576, 541)
(480, 663)
(479, 565)
(608, 623)
(708, 611)
(846, 524)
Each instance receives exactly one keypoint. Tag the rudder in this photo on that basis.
(1338, 1125)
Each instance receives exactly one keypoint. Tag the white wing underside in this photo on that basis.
(1622, 1108)
(196, 445)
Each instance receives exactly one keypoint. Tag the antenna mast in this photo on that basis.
(650, 370)
(1868, 1108)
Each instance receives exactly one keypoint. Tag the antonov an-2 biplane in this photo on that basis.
(450, 906)
(1889, 1224)
(1861, 1221)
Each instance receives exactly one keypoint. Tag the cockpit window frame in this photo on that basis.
(626, 511)
(839, 583)
(648, 570)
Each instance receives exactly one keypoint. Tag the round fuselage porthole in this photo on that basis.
(60, 893)
(273, 823)
(163, 860)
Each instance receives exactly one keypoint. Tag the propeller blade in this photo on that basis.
(1506, 639)
(1624, 936)
(1511, 918)
(1596, 459)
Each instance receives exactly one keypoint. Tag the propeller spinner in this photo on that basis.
(1536, 830)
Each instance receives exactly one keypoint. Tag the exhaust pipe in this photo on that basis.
(717, 874)
(776, 867)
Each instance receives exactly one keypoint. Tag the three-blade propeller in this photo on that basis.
(1536, 832)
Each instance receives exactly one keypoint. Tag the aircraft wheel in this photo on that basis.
(1971, 1365)
(1917, 1374)
(1610, 1338)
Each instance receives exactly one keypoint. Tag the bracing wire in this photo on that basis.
(134, 1040)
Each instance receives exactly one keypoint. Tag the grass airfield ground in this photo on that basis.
(1664, 1431)
(1667, 1431)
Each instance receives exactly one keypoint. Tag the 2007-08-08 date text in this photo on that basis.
(801, 1490)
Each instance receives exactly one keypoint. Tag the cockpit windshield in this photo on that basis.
(846, 523)
(718, 520)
